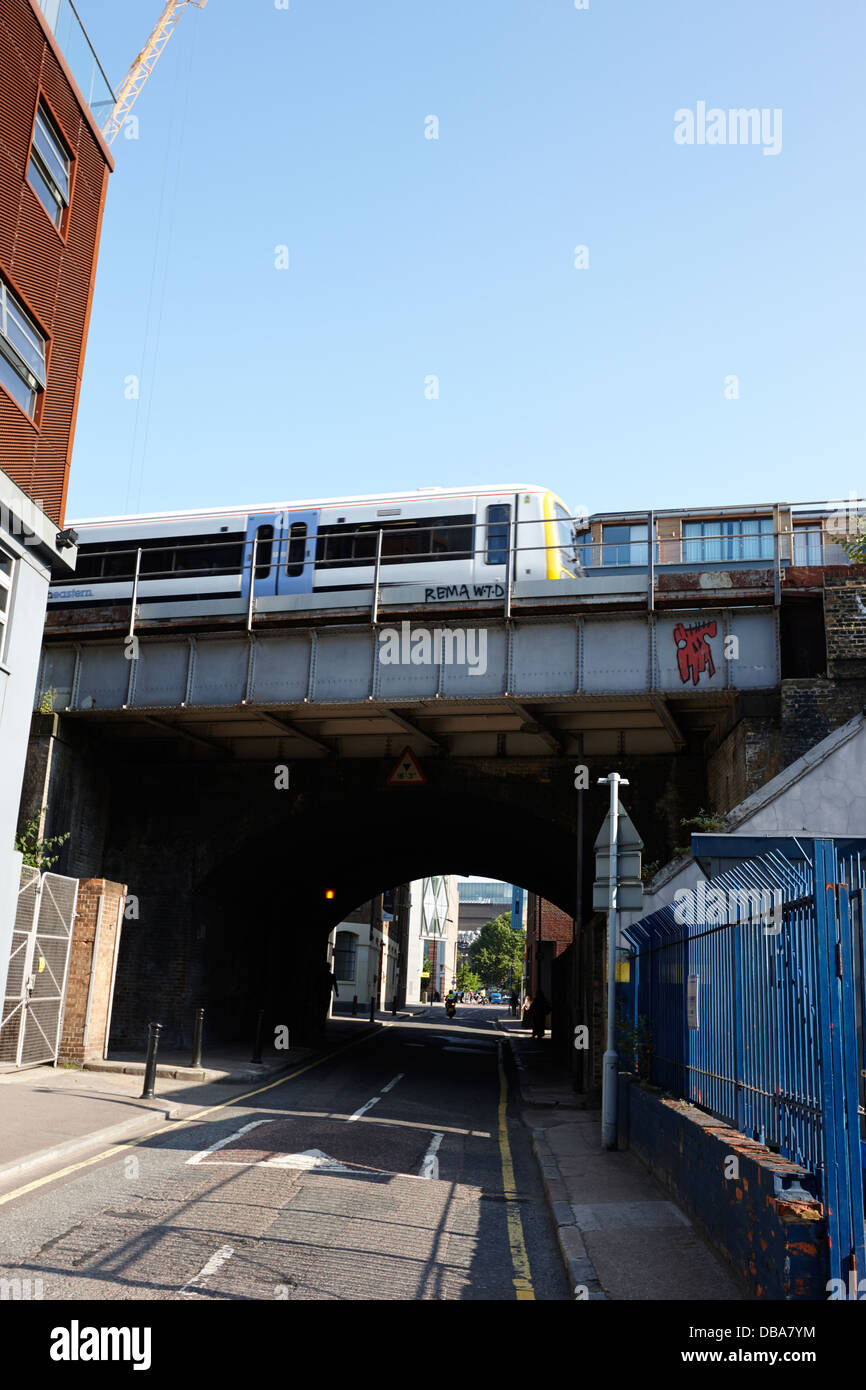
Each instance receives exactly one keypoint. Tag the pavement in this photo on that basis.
(619, 1234)
(52, 1115)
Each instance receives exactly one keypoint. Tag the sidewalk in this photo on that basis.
(52, 1115)
(620, 1235)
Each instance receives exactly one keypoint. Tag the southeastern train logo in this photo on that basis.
(70, 593)
(694, 653)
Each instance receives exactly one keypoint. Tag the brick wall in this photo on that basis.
(94, 942)
(813, 708)
(845, 625)
(762, 1213)
(743, 762)
(544, 923)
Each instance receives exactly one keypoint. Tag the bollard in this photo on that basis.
(153, 1032)
(372, 1010)
(354, 1005)
(257, 1049)
(197, 1029)
(394, 1006)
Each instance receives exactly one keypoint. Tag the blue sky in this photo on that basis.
(411, 258)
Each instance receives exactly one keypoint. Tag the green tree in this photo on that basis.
(497, 952)
(467, 978)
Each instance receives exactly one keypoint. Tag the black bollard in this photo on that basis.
(394, 1006)
(354, 1005)
(153, 1032)
(197, 1030)
(372, 1010)
(257, 1048)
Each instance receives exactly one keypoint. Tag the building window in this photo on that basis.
(808, 545)
(49, 170)
(7, 570)
(749, 538)
(22, 352)
(345, 951)
(497, 537)
(624, 545)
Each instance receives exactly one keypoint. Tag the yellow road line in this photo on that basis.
(519, 1258)
(174, 1124)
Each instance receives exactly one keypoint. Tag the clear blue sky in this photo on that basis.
(454, 257)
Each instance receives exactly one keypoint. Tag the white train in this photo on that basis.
(446, 535)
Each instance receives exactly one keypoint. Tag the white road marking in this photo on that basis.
(392, 1084)
(308, 1160)
(215, 1262)
(430, 1166)
(363, 1110)
(221, 1143)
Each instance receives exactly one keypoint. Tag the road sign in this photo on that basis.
(406, 772)
(629, 887)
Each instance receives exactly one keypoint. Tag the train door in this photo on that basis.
(264, 537)
(297, 553)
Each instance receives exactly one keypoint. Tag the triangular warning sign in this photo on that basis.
(406, 772)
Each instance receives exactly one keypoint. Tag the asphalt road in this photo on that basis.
(379, 1173)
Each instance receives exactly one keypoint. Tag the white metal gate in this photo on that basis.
(38, 965)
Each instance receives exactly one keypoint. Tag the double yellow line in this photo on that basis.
(522, 1279)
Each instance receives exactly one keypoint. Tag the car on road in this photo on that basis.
(495, 998)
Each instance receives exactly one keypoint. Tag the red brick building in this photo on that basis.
(549, 932)
(54, 167)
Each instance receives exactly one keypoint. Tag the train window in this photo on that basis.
(564, 527)
(497, 534)
(422, 539)
(297, 548)
(157, 563)
(264, 551)
(119, 564)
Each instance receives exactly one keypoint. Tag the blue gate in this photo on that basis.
(753, 985)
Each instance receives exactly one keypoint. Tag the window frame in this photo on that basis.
(13, 356)
(55, 137)
(353, 937)
(492, 546)
(7, 583)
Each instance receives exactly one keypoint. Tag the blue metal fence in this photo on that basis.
(753, 985)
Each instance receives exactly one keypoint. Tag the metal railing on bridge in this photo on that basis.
(750, 994)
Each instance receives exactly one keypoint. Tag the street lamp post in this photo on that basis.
(609, 1065)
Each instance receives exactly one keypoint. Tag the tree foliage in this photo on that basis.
(467, 978)
(37, 852)
(497, 952)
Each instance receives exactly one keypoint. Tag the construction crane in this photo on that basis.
(145, 64)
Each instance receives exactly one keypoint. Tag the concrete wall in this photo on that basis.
(823, 793)
(759, 1210)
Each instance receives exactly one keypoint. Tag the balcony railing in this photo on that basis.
(62, 19)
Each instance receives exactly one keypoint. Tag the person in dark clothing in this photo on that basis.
(538, 1011)
(514, 1001)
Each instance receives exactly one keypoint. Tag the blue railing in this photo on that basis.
(752, 987)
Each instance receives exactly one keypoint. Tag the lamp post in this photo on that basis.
(609, 1065)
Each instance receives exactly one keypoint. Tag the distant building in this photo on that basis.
(53, 177)
(432, 937)
(366, 951)
(481, 902)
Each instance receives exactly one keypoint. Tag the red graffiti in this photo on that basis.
(694, 653)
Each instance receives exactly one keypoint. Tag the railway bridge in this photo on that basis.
(237, 762)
